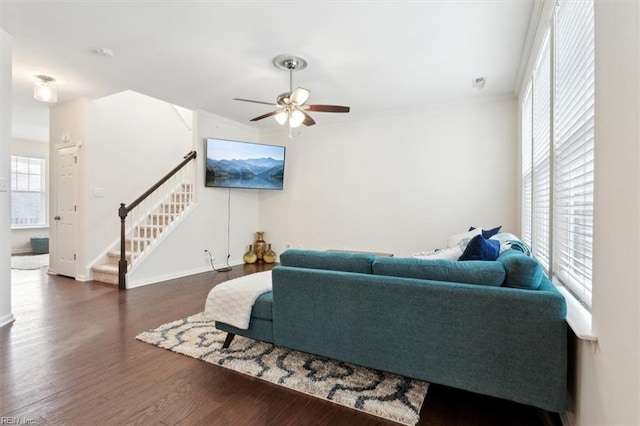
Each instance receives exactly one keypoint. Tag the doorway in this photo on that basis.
(65, 219)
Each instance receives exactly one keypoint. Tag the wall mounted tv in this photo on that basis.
(235, 164)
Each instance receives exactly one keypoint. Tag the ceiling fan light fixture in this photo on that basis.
(299, 96)
(296, 118)
(281, 117)
(291, 106)
(44, 90)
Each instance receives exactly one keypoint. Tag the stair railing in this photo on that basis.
(155, 208)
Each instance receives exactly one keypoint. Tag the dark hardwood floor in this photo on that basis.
(71, 357)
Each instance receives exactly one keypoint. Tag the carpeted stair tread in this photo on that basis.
(107, 268)
(146, 234)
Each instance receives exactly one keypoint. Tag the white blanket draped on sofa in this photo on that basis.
(231, 302)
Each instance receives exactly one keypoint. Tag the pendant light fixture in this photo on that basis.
(44, 90)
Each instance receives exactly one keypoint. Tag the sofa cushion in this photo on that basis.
(335, 261)
(479, 248)
(522, 271)
(481, 272)
(263, 307)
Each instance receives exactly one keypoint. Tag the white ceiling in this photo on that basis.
(371, 55)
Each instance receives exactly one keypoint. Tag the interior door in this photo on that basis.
(65, 218)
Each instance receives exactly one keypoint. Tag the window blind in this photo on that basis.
(526, 169)
(574, 146)
(27, 191)
(541, 189)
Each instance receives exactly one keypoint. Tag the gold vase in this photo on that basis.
(269, 256)
(260, 245)
(250, 256)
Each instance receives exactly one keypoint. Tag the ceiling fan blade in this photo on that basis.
(269, 114)
(300, 95)
(308, 120)
(255, 102)
(327, 108)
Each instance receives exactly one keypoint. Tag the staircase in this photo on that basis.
(146, 233)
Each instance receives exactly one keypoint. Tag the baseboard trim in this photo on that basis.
(7, 319)
(21, 251)
(83, 278)
(173, 276)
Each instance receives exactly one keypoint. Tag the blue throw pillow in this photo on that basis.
(488, 233)
(479, 248)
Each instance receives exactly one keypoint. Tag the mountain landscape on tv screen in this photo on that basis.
(259, 173)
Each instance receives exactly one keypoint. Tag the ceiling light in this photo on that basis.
(44, 90)
(296, 119)
(281, 117)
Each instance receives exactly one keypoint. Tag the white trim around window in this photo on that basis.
(557, 195)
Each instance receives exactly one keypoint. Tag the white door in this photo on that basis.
(65, 218)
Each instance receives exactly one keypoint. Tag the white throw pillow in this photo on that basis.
(452, 253)
(463, 238)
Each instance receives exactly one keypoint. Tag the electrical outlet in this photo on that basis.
(209, 255)
(288, 245)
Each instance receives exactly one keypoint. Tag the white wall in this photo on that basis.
(182, 252)
(127, 142)
(5, 173)
(607, 388)
(132, 141)
(401, 182)
(21, 237)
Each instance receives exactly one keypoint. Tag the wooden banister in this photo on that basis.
(124, 211)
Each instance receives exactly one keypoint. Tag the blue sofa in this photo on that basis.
(496, 328)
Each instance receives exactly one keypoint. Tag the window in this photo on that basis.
(573, 152)
(540, 234)
(557, 193)
(27, 192)
(526, 169)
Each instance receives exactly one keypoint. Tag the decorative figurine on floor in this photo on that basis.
(269, 256)
(250, 256)
(260, 245)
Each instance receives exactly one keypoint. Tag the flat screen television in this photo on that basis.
(236, 164)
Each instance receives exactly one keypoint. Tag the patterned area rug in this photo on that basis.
(375, 392)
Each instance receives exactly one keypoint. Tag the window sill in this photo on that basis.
(578, 317)
(33, 227)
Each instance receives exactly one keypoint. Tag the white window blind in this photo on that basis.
(27, 191)
(541, 189)
(573, 146)
(526, 169)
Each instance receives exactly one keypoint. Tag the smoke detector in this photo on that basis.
(478, 82)
(105, 52)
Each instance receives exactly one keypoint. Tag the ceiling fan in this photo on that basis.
(291, 105)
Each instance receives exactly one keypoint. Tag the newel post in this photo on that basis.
(122, 264)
